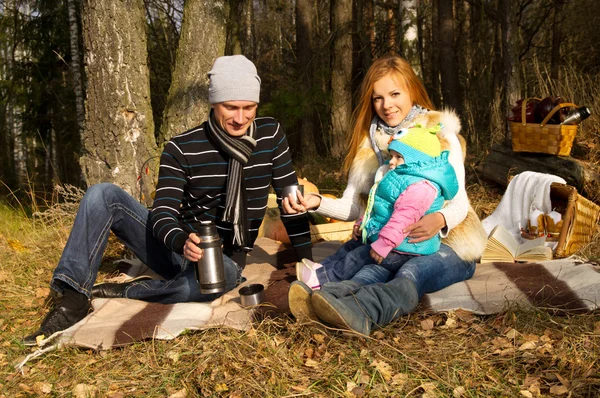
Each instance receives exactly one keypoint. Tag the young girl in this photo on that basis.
(416, 181)
(392, 97)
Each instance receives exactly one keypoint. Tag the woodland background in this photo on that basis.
(90, 90)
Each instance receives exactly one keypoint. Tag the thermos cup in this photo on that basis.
(210, 270)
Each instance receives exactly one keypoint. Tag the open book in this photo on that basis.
(502, 246)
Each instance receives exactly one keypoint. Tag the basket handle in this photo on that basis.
(524, 108)
(556, 109)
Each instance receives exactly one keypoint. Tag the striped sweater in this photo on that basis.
(192, 186)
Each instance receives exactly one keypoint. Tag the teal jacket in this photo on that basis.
(437, 171)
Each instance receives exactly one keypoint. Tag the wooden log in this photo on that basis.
(502, 163)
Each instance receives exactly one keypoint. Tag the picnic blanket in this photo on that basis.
(558, 285)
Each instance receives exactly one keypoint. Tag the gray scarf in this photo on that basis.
(239, 150)
(377, 123)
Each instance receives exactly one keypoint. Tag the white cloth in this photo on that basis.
(526, 192)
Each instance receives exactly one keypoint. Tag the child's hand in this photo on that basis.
(376, 256)
(356, 234)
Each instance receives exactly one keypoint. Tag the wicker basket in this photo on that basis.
(580, 216)
(554, 139)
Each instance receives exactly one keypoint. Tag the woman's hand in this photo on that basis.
(191, 251)
(307, 202)
(425, 228)
(356, 233)
(376, 256)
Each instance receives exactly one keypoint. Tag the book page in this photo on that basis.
(501, 246)
(529, 245)
(500, 236)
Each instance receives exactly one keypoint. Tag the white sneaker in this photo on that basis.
(307, 273)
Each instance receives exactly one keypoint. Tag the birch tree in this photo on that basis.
(118, 137)
(202, 40)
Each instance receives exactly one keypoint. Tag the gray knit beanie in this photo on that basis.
(233, 78)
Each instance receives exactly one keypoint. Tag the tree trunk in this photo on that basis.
(306, 65)
(435, 54)
(369, 26)
(119, 130)
(410, 37)
(341, 76)
(556, 40)
(502, 163)
(448, 60)
(76, 63)
(510, 62)
(391, 26)
(202, 40)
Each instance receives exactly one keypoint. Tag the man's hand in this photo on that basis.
(378, 259)
(191, 251)
(425, 228)
(356, 233)
(307, 202)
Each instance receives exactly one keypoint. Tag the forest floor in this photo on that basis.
(528, 353)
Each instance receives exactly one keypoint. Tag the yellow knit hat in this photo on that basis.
(417, 144)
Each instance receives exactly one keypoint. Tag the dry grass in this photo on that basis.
(456, 354)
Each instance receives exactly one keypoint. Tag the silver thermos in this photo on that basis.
(210, 271)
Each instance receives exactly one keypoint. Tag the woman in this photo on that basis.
(392, 97)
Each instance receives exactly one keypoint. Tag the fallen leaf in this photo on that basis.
(179, 394)
(384, 369)
(42, 388)
(378, 335)
(526, 393)
(84, 391)
(399, 379)
(350, 385)
(221, 387)
(427, 324)
(173, 356)
(558, 390)
(512, 334)
(42, 292)
(459, 392)
(528, 345)
(358, 392)
(24, 387)
(319, 338)
(311, 363)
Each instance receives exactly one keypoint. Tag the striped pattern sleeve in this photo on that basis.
(284, 174)
(165, 215)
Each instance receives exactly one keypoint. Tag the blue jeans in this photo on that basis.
(381, 301)
(354, 256)
(106, 207)
(429, 273)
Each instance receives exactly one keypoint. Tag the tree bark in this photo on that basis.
(341, 76)
(391, 26)
(556, 40)
(119, 130)
(451, 94)
(76, 63)
(435, 53)
(202, 40)
(510, 63)
(306, 65)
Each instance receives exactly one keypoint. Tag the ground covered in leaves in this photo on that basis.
(456, 354)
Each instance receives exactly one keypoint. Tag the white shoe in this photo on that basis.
(307, 274)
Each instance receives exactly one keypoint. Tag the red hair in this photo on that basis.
(403, 74)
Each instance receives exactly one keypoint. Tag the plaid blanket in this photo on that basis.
(559, 285)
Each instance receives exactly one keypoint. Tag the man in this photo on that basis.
(219, 172)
